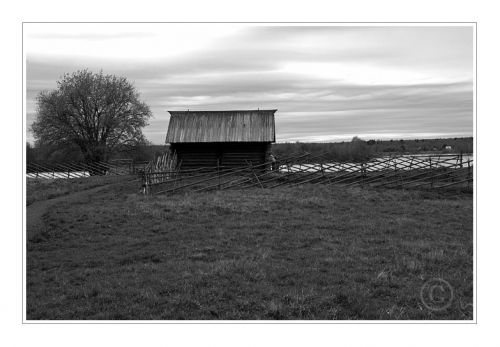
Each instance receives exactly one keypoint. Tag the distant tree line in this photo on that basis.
(457, 145)
(359, 150)
(353, 151)
(56, 154)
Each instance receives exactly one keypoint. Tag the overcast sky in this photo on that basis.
(329, 83)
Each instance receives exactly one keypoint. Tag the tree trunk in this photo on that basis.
(96, 162)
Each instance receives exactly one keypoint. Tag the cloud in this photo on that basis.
(326, 82)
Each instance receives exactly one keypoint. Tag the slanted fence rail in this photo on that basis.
(68, 170)
(445, 171)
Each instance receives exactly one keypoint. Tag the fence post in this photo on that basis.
(252, 171)
(401, 173)
(396, 170)
(362, 174)
(468, 174)
(143, 183)
(218, 173)
(146, 183)
(430, 170)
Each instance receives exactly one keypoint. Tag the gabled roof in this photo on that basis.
(221, 126)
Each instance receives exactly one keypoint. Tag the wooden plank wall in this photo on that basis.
(227, 154)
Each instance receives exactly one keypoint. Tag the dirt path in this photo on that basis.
(35, 211)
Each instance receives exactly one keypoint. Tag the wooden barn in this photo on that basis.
(221, 138)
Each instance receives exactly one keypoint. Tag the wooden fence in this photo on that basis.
(408, 171)
(70, 170)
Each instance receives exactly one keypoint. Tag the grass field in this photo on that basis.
(44, 189)
(308, 252)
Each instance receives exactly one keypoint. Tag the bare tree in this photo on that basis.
(99, 113)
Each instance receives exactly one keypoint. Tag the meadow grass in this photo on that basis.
(40, 189)
(308, 252)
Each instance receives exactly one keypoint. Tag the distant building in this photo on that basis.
(221, 138)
